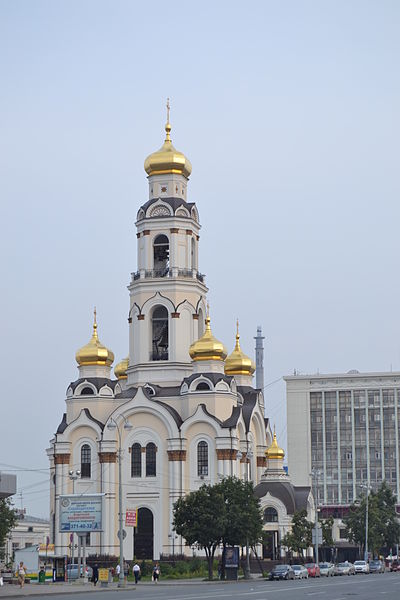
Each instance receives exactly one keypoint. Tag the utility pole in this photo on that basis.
(367, 487)
(314, 475)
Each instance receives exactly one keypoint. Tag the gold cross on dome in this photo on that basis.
(168, 109)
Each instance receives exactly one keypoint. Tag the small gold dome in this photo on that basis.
(94, 353)
(120, 369)
(274, 451)
(167, 159)
(207, 347)
(238, 363)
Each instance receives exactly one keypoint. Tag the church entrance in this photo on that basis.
(270, 545)
(144, 534)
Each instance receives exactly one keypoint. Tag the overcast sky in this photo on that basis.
(289, 113)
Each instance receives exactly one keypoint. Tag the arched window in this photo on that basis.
(270, 515)
(202, 459)
(150, 460)
(202, 386)
(136, 460)
(159, 322)
(86, 461)
(87, 391)
(161, 256)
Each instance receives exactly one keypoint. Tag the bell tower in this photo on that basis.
(167, 292)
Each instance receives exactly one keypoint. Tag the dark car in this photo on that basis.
(395, 565)
(281, 572)
(376, 566)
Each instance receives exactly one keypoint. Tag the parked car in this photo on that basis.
(313, 570)
(73, 572)
(300, 572)
(361, 566)
(327, 569)
(345, 568)
(395, 565)
(282, 572)
(376, 566)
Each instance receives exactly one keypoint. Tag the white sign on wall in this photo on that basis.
(81, 513)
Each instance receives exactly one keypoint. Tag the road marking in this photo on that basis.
(315, 593)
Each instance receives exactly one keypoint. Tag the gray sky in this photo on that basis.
(289, 113)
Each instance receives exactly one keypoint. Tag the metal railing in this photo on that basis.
(159, 355)
(168, 272)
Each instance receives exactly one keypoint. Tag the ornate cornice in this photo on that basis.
(107, 457)
(174, 455)
(61, 459)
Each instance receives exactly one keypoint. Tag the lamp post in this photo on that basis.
(249, 455)
(113, 425)
(367, 487)
(173, 537)
(314, 474)
(73, 475)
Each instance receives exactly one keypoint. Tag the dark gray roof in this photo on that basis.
(165, 392)
(128, 393)
(249, 401)
(213, 377)
(294, 498)
(89, 416)
(233, 419)
(174, 413)
(174, 203)
(63, 425)
(98, 382)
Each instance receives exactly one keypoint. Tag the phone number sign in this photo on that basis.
(81, 513)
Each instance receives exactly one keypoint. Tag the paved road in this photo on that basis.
(365, 587)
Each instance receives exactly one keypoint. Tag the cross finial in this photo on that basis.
(168, 109)
(237, 326)
(95, 315)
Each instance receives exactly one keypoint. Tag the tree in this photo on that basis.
(200, 518)
(8, 518)
(243, 516)
(300, 537)
(326, 526)
(383, 523)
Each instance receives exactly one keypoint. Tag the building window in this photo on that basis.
(270, 515)
(87, 391)
(342, 534)
(202, 387)
(150, 460)
(136, 460)
(202, 459)
(30, 529)
(159, 323)
(161, 256)
(88, 539)
(85, 461)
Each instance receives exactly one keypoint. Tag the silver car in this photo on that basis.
(300, 572)
(345, 568)
(327, 569)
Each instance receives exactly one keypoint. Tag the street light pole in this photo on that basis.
(314, 475)
(113, 425)
(73, 475)
(366, 487)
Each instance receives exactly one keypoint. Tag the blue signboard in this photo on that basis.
(232, 557)
(81, 513)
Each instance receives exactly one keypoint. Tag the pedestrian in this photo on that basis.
(219, 570)
(95, 575)
(156, 573)
(21, 574)
(136, 572)
(118, 570)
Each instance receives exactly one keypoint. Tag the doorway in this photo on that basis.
(144, 535)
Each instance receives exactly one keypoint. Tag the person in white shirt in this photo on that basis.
(136, 572)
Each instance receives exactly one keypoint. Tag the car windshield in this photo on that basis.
(324, 565)
(310, 565)
(296, 567)
(376, 563)
(343, 565)
(360, 562)
(280, 568)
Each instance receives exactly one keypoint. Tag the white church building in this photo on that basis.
(179, 410)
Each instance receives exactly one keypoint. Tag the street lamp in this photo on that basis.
(367, 487)
(314, 474)
(73, 475)
(173, 537)
(249, 455)
(113, 425)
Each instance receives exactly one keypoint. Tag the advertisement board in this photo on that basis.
(81, 513)
(131, 518)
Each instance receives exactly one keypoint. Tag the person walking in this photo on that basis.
(21, 574)
(156, 573)
(95, 575)
(118, 570)
(136, 572)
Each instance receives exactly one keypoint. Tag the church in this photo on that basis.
(180, 410)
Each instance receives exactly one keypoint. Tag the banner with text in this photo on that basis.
(81, 513)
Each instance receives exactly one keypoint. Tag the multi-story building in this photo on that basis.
(344, 428)
(28, 531)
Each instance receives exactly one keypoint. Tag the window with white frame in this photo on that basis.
(202, 459)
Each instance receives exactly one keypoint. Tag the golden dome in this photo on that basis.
(120, 369)
(274, 451)
(94, 353)
(207, 347)
(167, 159)
(238, 363)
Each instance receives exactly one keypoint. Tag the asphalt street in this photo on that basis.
(367, 587)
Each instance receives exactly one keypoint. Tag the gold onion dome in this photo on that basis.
(275, 451)
(94, 353)
(238, 363)
(167, 159)
(120, 369)
(207, 347)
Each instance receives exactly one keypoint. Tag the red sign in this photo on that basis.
(131, 518)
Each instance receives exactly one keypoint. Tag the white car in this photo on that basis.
(361, 566)
(300, 572)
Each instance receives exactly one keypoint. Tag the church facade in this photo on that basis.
(178, 411)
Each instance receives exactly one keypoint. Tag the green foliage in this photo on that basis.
(383, 523)
(326, 526)
(8, 518)
(300, 537)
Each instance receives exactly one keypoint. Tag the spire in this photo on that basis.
(238, 363)
(95, 336)
(259, 359)
(168, 124)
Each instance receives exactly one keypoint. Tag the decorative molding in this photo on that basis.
(146, 232)
(261, 461)
(197, 237)
(175, 315)
(189, 232)
(244, 457)
(174, 230)
(107, 457)
(61, 459)
(174, 455)
(195, 317)
(226, 454)
(138, 235)
(160, 211)
(140, 317)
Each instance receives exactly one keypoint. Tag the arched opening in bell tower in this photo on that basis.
(159, 325)
(161, 255)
